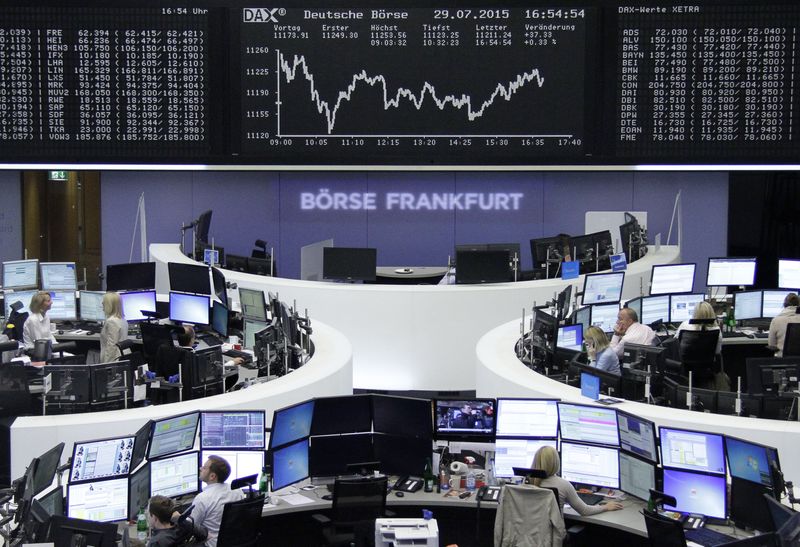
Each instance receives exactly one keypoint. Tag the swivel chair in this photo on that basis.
(663, 531)
(545, 515)
(356, 505)
(698, 354)
(791, 342)
(241, 522)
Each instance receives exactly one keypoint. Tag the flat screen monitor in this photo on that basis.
(244, 463)
(456, 418)
(289, 464)
(696, 493)
(637, 436)
(595, 381)
(330, 455)
(191, 278)
(672, 278)
(692, 450)
(131, 277)
(220, 286)
(731, 271)
(219, 318)
(405, 416)
(189, 308)
(140, 441)
(90, 306)
(636, 477)
(251, 328)
(602, 288)
(172, 435)
(548, 249)
(138, 491)
(59, 276)
(636, 305)
(751, 461)
(747, 305)
(65, 531)
(486, 266)
(772, 375)
(788, 274)
(604, 316)
(19, 296)
(253, 304)
(590, 386)
(53, 502)
(510, 453)
(590, 464)
(101, 501)
(134, 303)
(527, 418)
(291, 423)
(583, 316)
(544, 330)
(45, 471)
(349, 263)
(20, 274)
(772, 303)
(399, 455)
(101, 459)
(590, 424)
(64, 306)
(175, 476)
(346, 414)
(750, 508)
(233, 429)
(655, 308)
(681, 306)
(570, 337)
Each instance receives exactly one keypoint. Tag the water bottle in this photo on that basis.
(471, 480)
(141, 525)
(263, 481)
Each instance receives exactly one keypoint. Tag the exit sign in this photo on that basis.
(57, 175)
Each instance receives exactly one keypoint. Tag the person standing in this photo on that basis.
(115, 328)
(37, 326)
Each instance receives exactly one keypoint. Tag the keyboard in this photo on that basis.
(707, 537)
(733, 334)
(234, 353)
(761, 334)
(590, 499)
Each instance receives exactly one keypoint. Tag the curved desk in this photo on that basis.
(414, 337)
(500, 374)
(329, 372)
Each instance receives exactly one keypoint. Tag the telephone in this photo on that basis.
(489, 493)
(409, 484)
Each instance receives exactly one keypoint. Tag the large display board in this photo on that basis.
(400, 84)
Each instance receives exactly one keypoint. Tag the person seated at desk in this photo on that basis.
(168, 357)
(209, 504)
(601, 356)
(547, 460)
(37, 326)
(777, 327)
(628, 329)
(703, 310)
(166, 529)
(115, 328)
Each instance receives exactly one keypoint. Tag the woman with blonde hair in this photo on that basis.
(115, 328)
(37, 325)
(601, 356)
(703, 310)
(546, 459)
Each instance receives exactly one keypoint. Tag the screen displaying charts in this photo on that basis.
(604, 316)
(637, 435)
(59, 276)
(510, 453)
(590, 424)
(788, 274)
(570, 337)
(655, 308)
(590, 464)
(175, 475)
(672, 278)
(64, 306)
(636, 477)
(603, 288)
(692, 450)
(527, 418)
(103, 501)
(772, 303)
(681, 306)
(91, 306)
(103, 458)
(232, 429)
(731, 271)
(747, 305)
(20, 273)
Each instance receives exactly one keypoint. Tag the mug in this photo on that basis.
(455, 482)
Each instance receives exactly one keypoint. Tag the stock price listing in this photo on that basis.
(419, 85)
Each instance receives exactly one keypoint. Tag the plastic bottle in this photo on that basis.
(471, 480)
(263, 481)
(141, 525)
(428, 476)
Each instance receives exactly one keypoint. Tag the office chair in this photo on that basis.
(698, 354)
(663, 531)
(527, 510)
(153, 337)
(791, 342)
(241, 522)
(15, 396)
(356, 505)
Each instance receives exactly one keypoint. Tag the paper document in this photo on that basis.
(296, 499)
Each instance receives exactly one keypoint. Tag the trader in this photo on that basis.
(115, 328)
(37, 325)
(628, 329)
(209, 504)
(779, 323)
(601, 356)
(168, 530)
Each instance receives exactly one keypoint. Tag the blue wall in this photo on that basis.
(268, 205)
(10, 216)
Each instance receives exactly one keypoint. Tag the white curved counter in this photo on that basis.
(414, 337)
(500, 374)
(329, 372)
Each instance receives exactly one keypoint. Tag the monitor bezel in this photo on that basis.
(726, 438)
(656, 444)
(179, 272)
(711, 518)
(206, 298)
(35, 284)
(661, 267)
(665, 465)
(80, 305)
(80, 443)
(150, 456)
(593, 407)
(144, 291)
(780, 260)
(73, 287)
(287, 446)
(71, 483)
(586, 278)
(150, 266)
(553, 400)
(753, 259)
(760, 306)
(263, 446)
(195, 453)
(275, 415)
(591, 445)
(657, 478)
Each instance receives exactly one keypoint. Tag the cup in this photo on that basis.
(455, 482)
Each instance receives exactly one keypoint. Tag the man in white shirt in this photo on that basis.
(628, 329)
(209, 504)
(779, 323)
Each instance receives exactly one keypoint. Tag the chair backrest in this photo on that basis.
(15, 397)
(537, 507)
(154, 336)
(698, 350)
(663, 531)
(241, 522)
(359, 499)
(791, 343)
(167, 360)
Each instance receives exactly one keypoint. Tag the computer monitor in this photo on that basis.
(99, 500)
(655, 308)
(291, 423)
(90, 306)
(604, 316)
(250, 329)
(400, 455)
(58, 276)
(204, 367)
(583, 316)
(202, 225)
(64, 531)
(21, 274)
(191, 278)
(563, 303)
(727, 271)
(636, 305)
(597, 380)
(636, 477)
(536, 418)
(696, 493)
(140, 441)
(751, 461)
(232, 429)
(590, 424)
(64, 306)
(672, 278)
(219, 318)
(189, 308)
(134, 303)
(172, 435)
(349, 414)
(220, 286)
(19, 296)
(253, 304)
(692, 450)
(484, 266)
(772, 303)
(331, 454)
(236, 263)
(549, 249)
(590, 464)
(590, 385)
(244, 463)
(637, 436)
(510, 453)
(53, 502)
(602, 288)
(70, 384)
(131, 277)
(772, 375)
(459, 418)
(748, 505)
(544, 330)
(681, 306)
(289, 464)
(100, 459)
(110, 381)
(747, 305)
(788, 273)
(45, 471)
(175, 476)
(138, 491)
(404, 416)
(349, 263)
(570, 337)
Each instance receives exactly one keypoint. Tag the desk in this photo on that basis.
(412, 275)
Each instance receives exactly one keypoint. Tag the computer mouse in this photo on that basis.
(399, 494)
(327, 497)
(61, 332)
